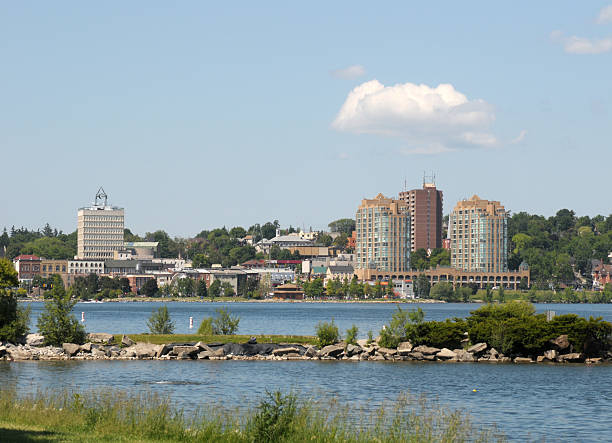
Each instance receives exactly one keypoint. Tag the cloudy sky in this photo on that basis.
(200, 115)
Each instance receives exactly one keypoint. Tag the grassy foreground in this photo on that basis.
(159, 339)
(117, 416)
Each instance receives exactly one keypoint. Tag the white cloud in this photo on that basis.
(350, 72)
(519, 138)
(429, 119)
(582, 45)
(605, 15)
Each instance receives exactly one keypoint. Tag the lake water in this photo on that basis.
(527, 402)
(282, 318)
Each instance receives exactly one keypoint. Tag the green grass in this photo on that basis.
(117, 416)
(186, 338)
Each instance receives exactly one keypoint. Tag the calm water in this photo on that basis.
(281, 318)
(528, 402)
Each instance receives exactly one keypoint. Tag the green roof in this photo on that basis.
(319, 269)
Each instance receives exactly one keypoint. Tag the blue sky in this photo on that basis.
(197, 115)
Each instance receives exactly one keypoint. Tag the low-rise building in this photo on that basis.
(288, 291)
(27, 266)
(340, 273)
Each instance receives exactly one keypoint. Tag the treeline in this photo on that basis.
(46, 242)
(559, 249)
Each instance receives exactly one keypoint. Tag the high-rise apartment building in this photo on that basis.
(383, 235)
(479, 236)
(425, 206)
(99, 229)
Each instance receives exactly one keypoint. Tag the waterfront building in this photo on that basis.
(478, 232)
(99, 229)
(27, 266)
(383, 235)
(425, 209)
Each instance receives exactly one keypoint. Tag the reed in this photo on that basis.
(118, 416)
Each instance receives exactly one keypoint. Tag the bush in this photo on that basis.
(403, 326)
(14, 320)
(351, 335)
(274, 419)
(160, 323)
(56, 323)
(441, 334)
(206, 327)
(327, 333)
(225, 323)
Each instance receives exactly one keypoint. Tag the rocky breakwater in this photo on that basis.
(101, 346)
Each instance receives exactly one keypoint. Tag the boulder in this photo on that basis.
(34, 340)
(203, 346)
(353, 350)
(311, 351)
(205, 355)
(416, 355)
(550, 355)
(404, 348)
(127, 341)
(540, 359)
(561, 343)
(162, 350)
(71, 348)
(142, 350)
(477, 348)
(387, 351)
(523, 360)
(100, 338)
(493, 353)
(464, 356)
(218, 353)
(187, 350)
(574, 357)
(331, 351)
(98, 352)
(362, 342)
(86, 347)
(252, 341)
(426, 350)
(446, 354)
(286, 351)
(18, 353)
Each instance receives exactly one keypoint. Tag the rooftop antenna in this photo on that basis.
(101, 195)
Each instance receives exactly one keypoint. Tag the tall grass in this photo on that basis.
(117, 416)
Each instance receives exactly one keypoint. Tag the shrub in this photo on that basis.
(160, 322)
(370, 336)
(206, 327)
(351, 335)
(327, 333)
(225, 323)
(14, 320)
(274, 419)
(56, 323)
(403, 326)
(441, 334)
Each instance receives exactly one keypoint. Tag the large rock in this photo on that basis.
(477, 348)
(284, 351)
(202, 346)
(446, 354)
(100, 338)
(142, 350)
(353, 350)
(311, 352)
(71, 348)
(204, 355)
(331, 351)
(162, 350)
(574, 357)
(127, 341)
(416, 355)
(464, 356)
(550, 355)
(34, 340)
(387, 351)
(523, 360)
(404, 348)
(362, 342)
(186, 350)
(561, 343)
(426, 350)
(18, 353)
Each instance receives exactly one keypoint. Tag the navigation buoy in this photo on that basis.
(82, 317)
(190, 322)
(474, 390)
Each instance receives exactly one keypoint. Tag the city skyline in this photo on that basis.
(194, 117)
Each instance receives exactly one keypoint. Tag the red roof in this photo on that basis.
(26, 257)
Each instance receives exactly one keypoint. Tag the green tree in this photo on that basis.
(327, 333)
(149, 289)
(57, 324)
(185, 286)
(225, 323)
(325, 240)
(501, 294)
(202, 290)
(160, 322)
(403, 326)
(355, 289)
(314, 289)
(228, 289)
(14, 320)
(422, 286)
(419, 260)
(343, 225)
(215, 289)
(489, 294)
(442, 291)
